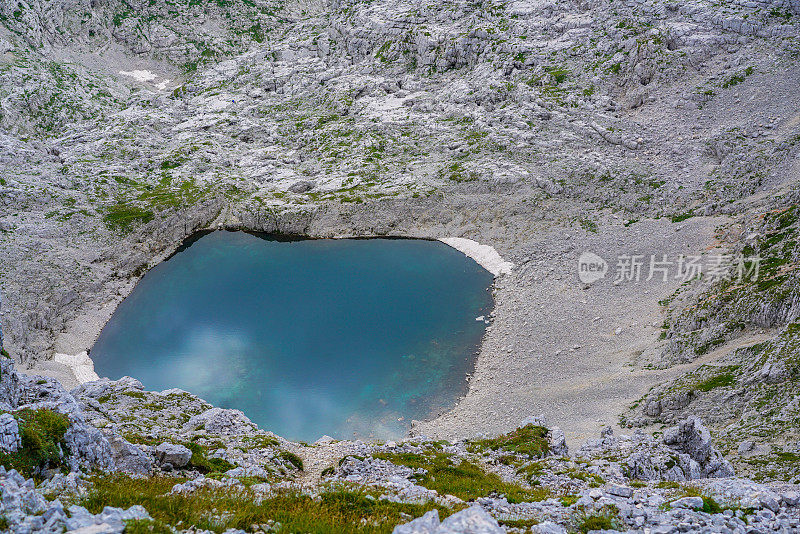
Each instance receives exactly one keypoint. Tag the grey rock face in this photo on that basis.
(473, 520)
(220, 421)
(87, 446)
(175, 455)
(128, 457)
(685, 452)
(694, 439)
(692, 503)
(10, 439)
(427, 524)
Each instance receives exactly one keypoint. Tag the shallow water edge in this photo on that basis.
(91, 322)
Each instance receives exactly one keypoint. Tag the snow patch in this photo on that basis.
(139, 75)
(80, 364)
(485, 255)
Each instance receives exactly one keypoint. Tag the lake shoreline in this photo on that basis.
(578, 388)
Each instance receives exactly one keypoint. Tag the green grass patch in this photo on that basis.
(529, 439)
(146, 526)
(680, 217)
(588, 225)
(606, 518)
(293, 459)
(465, 480)
(721, 380)
(203, 463)
(340, 510)
(42, 432)
(122, 217)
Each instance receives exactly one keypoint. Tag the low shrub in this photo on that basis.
(293, 459)
(340, 509)
(203, 463)
(464, 479)
(606, 518)
(529, 439)
(42, 432)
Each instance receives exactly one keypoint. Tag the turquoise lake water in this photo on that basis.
(349, 338)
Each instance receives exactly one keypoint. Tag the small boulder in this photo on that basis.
(620, 491)
(691, 503)
(473, 520)
(302, 186)
(746, 446)
(10, 439)
(427, 524)
(170, 453)
(558, 442)
(128, 457)
(791, 498)
(769, 501)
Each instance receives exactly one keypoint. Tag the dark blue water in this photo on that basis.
(339, 337)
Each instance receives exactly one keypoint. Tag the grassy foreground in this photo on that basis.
(340, 509)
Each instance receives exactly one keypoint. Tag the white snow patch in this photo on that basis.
(217, 104)
(139, 75)
(80, 364)
(162, 85)
(485, 255)
(388, 109)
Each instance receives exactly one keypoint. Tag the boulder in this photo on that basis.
(558, 442)
(691, 503)
(693, 439)
(302, 186)
(10, 439)
(88, 446)
(473, 520)
(427, 524)
(220, 421)
(175, 455)
(128, 457)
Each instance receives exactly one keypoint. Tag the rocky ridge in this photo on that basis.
(523, 481)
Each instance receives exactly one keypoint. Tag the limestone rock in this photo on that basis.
(473, 520)
(128, 457)
(694, 439)
(692, 503)
(10, 439)
(175, 455)
(427, 524)
(220, 421)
